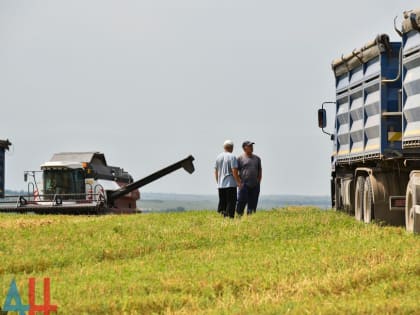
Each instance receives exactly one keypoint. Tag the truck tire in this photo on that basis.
(368, 201)
(332, 184)
(338, 200)
(358, 198)
(412, 219)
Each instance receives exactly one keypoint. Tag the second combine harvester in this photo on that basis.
(376, 140)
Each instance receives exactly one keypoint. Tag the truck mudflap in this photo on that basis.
(397, 203)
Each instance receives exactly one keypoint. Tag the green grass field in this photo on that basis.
(286, 261)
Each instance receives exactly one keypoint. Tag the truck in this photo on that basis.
(375, 161)
(83, 183)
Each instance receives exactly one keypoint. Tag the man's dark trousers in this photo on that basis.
(227, 201)
(248, 195)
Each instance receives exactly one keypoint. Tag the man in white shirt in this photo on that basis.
(226, 173)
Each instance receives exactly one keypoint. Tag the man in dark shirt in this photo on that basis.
(250, 173)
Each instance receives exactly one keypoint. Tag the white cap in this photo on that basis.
(228, 142)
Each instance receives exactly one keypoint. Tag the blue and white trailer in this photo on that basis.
(375, 172)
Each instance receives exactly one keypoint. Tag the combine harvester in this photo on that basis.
(83, 183)
(376, 152)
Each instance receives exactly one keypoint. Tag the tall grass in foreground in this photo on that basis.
(292, 260)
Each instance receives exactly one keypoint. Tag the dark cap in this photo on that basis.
(246, 143)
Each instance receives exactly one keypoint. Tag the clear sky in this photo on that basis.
(150, 82)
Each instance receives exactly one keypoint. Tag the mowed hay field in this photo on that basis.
(284, 261)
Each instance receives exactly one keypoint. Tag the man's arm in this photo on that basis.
(259, 175)
(236, 176)
(216, 175)
(235, 171)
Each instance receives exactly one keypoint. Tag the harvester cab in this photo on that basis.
(82, 176)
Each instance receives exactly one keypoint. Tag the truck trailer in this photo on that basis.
(375, 163)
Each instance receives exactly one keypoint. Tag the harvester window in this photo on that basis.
(68, 183)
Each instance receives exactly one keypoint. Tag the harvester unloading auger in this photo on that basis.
(83, 183)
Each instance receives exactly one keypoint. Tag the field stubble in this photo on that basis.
(292, 260)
